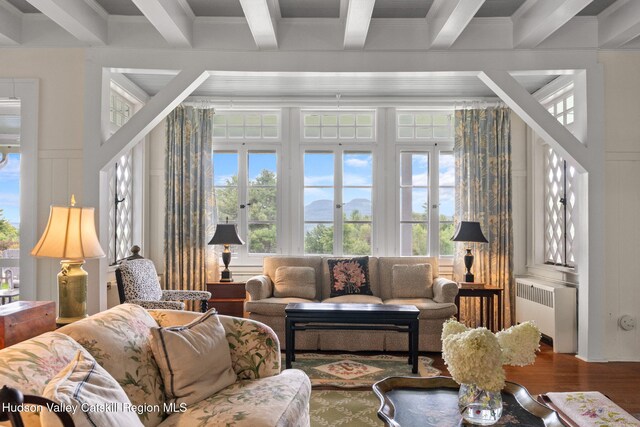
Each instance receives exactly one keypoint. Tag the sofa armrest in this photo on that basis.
(179, 295)
(444, 290)
(259, 287)
(255, 348)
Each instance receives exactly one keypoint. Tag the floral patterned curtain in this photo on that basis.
(483, 193)
(189, 221)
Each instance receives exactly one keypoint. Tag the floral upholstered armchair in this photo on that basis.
(138, 284)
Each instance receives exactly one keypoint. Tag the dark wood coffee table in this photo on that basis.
(373, 317)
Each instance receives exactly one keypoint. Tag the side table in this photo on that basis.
(228, 297)
(22, 320)
(482, 291)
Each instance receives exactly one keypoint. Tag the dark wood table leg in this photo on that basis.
(415, 336)
(288, 343)
(500, 324)
(482, 311)
(490, 308)
(457, 303)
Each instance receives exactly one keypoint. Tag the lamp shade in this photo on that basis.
(70, 234)
(469, 231)
(226, 234)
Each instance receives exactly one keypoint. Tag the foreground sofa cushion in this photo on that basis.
(30, 365)
(296, 282)
(349, 276)
(194, 359)
(85, 384)
(411, 281)
(278, 401)
(119, 340)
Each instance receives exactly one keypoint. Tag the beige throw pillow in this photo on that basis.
(295, 282)
(411, 281)
(90, 395)
(194, 359)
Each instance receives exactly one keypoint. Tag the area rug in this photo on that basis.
(353, 370)
(329, 408)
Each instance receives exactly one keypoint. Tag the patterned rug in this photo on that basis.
(353, 370)
(344, 408)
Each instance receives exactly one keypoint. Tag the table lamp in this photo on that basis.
(71, 236)
(226, 234)
(469, 231)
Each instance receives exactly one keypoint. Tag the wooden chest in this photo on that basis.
(22, 320)
(227, 297)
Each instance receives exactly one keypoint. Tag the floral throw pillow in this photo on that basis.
(349, 276)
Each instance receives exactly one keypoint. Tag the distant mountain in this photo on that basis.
(322, 210)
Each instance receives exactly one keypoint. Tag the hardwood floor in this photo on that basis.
(620, 381)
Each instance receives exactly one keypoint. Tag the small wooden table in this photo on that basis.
(228, 297)
(8, 294)
(482, 291)
(372, 317)
(22, 320)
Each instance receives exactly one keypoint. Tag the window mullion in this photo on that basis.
(338, 212)
(434, 200)
(243, 193)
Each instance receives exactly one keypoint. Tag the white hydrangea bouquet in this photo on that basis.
(475, 358)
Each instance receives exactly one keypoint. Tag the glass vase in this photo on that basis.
(478, 406)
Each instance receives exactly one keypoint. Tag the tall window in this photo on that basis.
(245, 186)
(559, 210)
(426, 182)
(121, 177)
(10, 121)
(338, 187)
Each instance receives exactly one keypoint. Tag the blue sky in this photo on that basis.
(10, 189)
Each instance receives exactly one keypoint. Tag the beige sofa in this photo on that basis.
(118, 340)
(264, 307)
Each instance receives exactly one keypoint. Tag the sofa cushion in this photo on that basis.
(385, 271)
(355, 299)
(429, 309)
(140, 280)
(271, 306)
(278, 401)
(119, 340)
(349, 276)
(84, 384)
(411, 281)
(271, 264)
(184, 353)
(295, 282)
(29, 365)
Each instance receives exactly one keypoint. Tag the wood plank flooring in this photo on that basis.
(620, 381)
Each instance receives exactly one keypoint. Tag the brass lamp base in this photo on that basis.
(72, 292)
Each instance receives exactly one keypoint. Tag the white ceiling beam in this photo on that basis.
(10, 24)
(620, 26)
(173, 20)
(357, 23)
(261, 17)
(447, 19)
(76, 17)
(542, 19)
(149, 116)
(536, 116)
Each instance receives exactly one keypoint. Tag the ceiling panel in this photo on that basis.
(498, 8)
(401, 8)
(23, 6)
(216, 8)
(595, 7)
(310, 8)
(228, 84)
(119, 7)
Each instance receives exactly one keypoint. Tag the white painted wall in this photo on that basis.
(622, 181)
(60, 73)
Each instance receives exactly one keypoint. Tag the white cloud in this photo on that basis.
(9, 199)
(353, 179)
(11, 170)
(358, 162)
(318, 180)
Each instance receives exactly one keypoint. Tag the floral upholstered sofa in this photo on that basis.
(119, 340)
(391, 280)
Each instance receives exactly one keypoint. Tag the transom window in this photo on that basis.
(423, 125)
(332, 125)
(234, 124)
